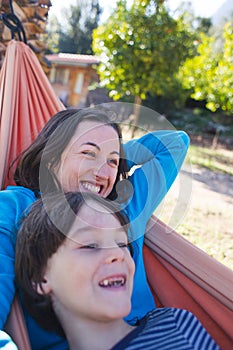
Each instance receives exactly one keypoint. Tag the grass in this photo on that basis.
(213, 159)
(206, 220)
(209, 237)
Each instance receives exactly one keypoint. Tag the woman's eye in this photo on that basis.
(89, 153)
(114, 162)
(122, 245)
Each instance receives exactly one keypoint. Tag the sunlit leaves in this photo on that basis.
(209, 75)
(141, 49)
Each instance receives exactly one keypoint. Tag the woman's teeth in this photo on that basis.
(91, 188)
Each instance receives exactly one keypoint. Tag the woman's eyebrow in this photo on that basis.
(91, 144)
(115, 152)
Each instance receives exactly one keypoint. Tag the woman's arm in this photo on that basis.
(13, 202)
(160, 155)
(157, 144)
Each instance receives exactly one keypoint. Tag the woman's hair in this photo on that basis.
(42, 232)
(44, 154)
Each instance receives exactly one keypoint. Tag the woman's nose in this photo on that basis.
(102, 170)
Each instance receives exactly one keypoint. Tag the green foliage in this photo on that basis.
(209, 75)
(141, 50)
(74, 35)
(203, 24)
(222, 86)
(52, 36)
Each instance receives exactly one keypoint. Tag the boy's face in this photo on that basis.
(91, 274)
(90, 161)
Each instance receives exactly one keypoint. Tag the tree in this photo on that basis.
(52, 36)
(75, 33)
(203, 24)
(222, 84)
(141, 50)
(209, 75)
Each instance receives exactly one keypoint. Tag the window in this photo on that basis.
(79, 83)
(60, 76)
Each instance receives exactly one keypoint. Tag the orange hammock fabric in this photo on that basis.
(27, 101)
(183, 276)
(16, 326)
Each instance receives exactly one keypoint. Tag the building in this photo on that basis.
(71, 75)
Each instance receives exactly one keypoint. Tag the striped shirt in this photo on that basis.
(168, 329)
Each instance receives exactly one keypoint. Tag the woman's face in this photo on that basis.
(91, 274)
(91, 159)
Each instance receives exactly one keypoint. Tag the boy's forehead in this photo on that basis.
(93, 216)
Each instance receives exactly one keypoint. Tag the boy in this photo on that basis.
(76, 274)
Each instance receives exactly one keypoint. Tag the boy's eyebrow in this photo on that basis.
(98, 148)
(82, 231)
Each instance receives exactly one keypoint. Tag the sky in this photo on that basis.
(203, 8)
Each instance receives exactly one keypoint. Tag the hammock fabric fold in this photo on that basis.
(27, 101)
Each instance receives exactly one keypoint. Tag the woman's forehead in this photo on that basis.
(96, 129)
(96, 133)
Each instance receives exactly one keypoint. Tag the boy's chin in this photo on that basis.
(122, 311)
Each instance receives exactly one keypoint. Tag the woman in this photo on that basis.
(81, 150)
(88, 303)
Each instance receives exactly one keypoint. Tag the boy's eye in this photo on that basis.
(89, 246)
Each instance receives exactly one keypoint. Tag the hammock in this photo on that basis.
(180, 275)
(27, 101)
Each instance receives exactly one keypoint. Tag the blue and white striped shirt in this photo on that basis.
(168, 329)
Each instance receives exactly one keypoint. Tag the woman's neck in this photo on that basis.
(96, 335)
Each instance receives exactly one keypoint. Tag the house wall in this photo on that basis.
(71, 83)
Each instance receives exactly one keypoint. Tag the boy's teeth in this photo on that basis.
(113, 282)
(91, 187)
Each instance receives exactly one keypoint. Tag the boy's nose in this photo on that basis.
(114, 254)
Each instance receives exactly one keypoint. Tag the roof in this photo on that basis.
(73, 59)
